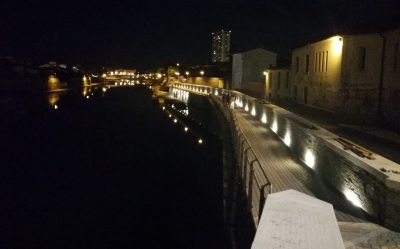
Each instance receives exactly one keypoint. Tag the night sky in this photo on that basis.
(150, 34)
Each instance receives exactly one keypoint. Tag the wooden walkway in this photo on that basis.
(286, 172)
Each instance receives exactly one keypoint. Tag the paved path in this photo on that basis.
(368, 235)
(287, 172)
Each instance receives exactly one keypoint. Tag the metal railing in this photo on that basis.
(253, 176)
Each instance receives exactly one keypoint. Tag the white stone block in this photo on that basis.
(291, 219)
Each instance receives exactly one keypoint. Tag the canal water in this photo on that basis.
(106, 168)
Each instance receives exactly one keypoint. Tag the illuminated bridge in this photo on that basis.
(277, 150)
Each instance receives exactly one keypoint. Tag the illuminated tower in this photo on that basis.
(221, 45)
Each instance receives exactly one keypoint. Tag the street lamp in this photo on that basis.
(202, 73)
(187, 76)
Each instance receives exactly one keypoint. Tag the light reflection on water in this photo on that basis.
(103, 155)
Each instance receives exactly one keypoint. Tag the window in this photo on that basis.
(297, 64)
(270, 80)
(323, 62)
(287, 79)
(326, 61)
(361, 58)
(279, 80)
(395, 56)
(315, 62)
(319, 61)
(307, 63)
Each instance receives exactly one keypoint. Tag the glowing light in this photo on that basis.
(163, 108)
(216, 92)
(275, 126)
(253, 111)
(247, 107)
(353, 198)
(200, 141)
(309, 159)
(287, 139)
(175, 120)
(264, 118)
(87, 96)
(55, 107)
(170, 115)
(265, 73)
(186, 129)
(337, 45)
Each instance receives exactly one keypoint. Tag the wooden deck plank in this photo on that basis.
(287, 172)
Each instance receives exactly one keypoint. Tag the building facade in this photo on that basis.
(221, 46)
(248, 68)
(355, 75)
(277, 83)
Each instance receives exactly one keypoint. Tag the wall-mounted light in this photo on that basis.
(264, 118)
(309, 158)
(287, 140)
(353, 198)
(253, 111)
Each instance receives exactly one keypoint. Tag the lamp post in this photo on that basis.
(202, 73)
(187, 76)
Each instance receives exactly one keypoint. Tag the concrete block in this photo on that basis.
(291, 219)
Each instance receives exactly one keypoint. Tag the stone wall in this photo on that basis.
(361, 180)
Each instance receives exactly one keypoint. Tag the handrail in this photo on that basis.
(252, 173)
(248, 162)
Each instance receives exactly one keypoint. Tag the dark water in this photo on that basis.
(109, 171)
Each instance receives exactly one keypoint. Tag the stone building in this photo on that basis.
(277, 83)
(355, 75)
(248, 68)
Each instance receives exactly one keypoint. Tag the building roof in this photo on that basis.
(255, 49)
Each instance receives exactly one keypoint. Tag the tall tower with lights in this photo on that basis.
(221, 45)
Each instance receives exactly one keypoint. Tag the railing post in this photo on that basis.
(243, 159)
(250, 193)
(263, 199)
(244, 169)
